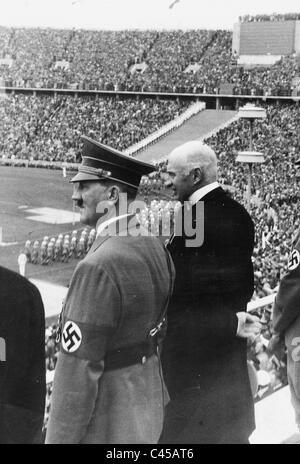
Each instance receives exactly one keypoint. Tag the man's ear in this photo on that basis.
(197, 175)
(113, 194)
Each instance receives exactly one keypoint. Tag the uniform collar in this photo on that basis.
(103, 225)
(101, 237)
(201, 192)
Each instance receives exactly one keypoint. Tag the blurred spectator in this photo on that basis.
(22, 368)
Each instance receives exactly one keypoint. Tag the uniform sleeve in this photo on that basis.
(91, 315)
(287, 302)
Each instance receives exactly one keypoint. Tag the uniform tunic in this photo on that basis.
(286, 323)
(116, 296)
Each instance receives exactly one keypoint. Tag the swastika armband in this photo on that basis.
(294, 260)
(71, 337)
(85, 341)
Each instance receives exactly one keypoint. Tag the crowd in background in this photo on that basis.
(273, 17)
(275, 185)
(195, 61)
(51, 351)
(50, 127)
(274, 80)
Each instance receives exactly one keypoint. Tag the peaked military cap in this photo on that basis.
(100, 161)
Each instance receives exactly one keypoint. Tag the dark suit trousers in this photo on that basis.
(188, 422)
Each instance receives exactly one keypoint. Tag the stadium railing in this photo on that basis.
(261, 302)
(148, 94)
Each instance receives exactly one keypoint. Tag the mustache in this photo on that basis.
(78, 203)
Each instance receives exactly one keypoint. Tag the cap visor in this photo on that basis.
(81, 176)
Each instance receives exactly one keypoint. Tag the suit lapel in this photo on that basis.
(177, 241)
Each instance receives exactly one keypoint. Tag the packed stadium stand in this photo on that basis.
(196, 61)
(49, 128)
(274, 17)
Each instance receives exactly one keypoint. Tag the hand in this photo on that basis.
(248, 326)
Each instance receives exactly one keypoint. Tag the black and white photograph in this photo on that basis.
(149, 224)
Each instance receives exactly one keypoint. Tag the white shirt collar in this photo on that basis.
(201, 192)
(105, 224)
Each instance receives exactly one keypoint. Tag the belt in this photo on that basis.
(130, 355)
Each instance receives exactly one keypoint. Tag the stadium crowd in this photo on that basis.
(196, 61)
(51, 352)
(273, 17)
(274, 205)
(49, 128)
(275, 80)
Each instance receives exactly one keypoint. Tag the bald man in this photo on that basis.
(205, 351)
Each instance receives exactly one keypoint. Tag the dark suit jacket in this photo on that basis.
(22, 365)
(201, 350)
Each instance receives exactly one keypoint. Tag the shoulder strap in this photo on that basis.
(162, 317)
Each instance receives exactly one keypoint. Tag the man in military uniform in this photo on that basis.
(35, 252)
(286, 325)
(108, 385)
(44, 247)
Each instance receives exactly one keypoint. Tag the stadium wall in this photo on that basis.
(257, 60)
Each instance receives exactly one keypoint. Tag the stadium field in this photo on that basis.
(35, 203)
